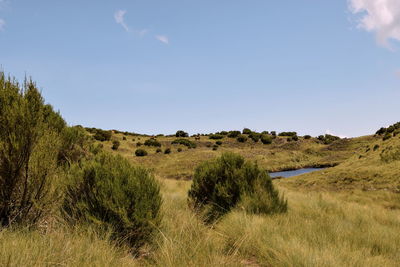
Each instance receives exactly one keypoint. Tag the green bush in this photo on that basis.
(138, 144)
(222, 183)
(167, 151)
(266, 139)
(185, 142)
(246, 131)
(233, 134)
(218, 143)
(159, 150)
(215, 147)
(152, 142)
(273, 133)
(140, 152)
(31, 147)
(254, 136)
(295, 138)
(181, 133)
(115, 145)
(179, 149)
(376, 147)
(102, 135)
(307, 137)
(114, 196)
(216, 136)
(124, 138)
(288, 134)
(328, 139)
(241, 138)
(387, 136)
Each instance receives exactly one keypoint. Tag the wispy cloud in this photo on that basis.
(162, 38)
(119, 18)
(2, 24)
(379, 16)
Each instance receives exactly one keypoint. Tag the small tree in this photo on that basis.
(140, 152)
(181, 133)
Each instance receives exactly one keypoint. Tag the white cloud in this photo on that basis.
(119, 18)
(2, 24)
(379, 16)
(162, 38)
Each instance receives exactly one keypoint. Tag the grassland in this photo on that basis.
(348, 215)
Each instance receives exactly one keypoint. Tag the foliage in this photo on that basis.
(216, 136)
(241, 138)
(30, 146)
(328, 139)
(185, 142)
(116, 197)
(255, 136)
(266, 139)
(167, 151)
(152, 142)
(181, 133)
(159, 150)
(246, 131)
(115, 145)
(220, 184)
(218, 143)
(307, 137)
(139, 144)
(102, 135)
(140, 152)
(287, 134)
(233, 134)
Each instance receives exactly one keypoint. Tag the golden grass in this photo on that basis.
(348, 215)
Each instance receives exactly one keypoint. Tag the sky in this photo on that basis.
(156, 66)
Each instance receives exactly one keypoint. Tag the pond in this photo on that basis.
(287, 174)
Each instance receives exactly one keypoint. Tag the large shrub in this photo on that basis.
(246, 131)
(30, 146)
(115, 145)
(116, 197)
(222, 183)
(233, 134)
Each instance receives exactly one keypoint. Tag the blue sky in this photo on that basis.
(202, 66)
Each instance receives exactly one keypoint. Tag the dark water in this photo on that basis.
(287, 174)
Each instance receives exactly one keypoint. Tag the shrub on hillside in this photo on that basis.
(102, 135)
(307, 137)
(218, 143)
(246, 131)
(222, 183)
(115, 145)
(215, 147)
(152, 142)
(273, 133)
(387, 136)
(216, 136)
(295, 138)
(138, 144)
(181, 133)
(124, 138)
(287, 134)
(159, 150)
(185, 142)
(241, 138)
(140, 152)
(167, 151)
(328, 139)
(114, 196)
(266, 139)
(179, 149)
(254, 136)
(233, 134)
